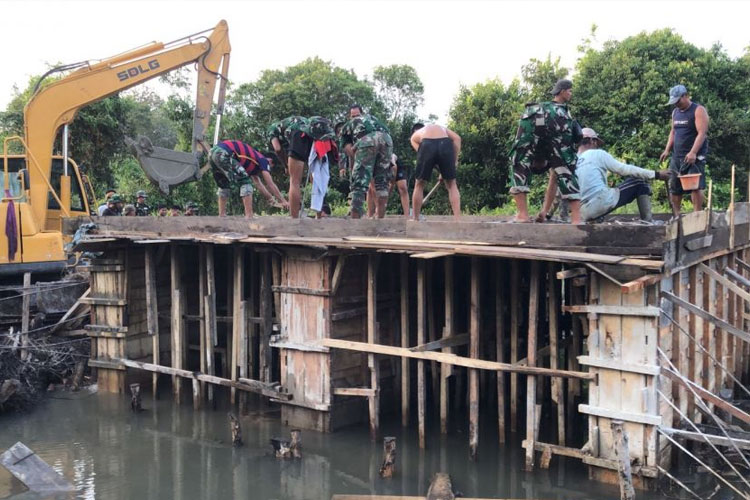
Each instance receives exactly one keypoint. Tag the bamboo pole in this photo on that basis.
(448, 332)
(499, 347)
(405, 339)
(515, 278)
(372, 337)
(531, 406)
(421, 340)
(474, 327)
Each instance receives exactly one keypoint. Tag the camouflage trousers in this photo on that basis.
(226, 170)
(533, 152)
(372, 161)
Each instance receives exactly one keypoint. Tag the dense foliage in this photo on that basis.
(620, 89)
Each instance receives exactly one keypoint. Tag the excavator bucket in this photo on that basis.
(165, 167)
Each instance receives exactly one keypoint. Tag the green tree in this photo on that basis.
(400, 89)
(539, 76)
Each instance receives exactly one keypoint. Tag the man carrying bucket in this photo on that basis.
(689, 137)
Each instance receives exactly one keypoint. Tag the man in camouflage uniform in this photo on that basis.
(141, 208)
(545, 140)
(279, 134)
(369, 146)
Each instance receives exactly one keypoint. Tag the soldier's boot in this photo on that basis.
(644, 207)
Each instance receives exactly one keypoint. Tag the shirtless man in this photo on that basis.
(435, 145)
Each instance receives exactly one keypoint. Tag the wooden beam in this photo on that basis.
(622, 454)
(266, 316)
(639, 418)
(177, 323)
(737, 277)
(338, 272)
(648, 311)
(572, 273)
(515, 277)
(701, 437)
(531, 406)
(152, 314)
(730, 285)
(209, 314)
(449, 334)
(431, 255)
(474, 328)
(454, 341)
(354, 391)
(708, 396)
(421, 319)
(611, 364)
(238, 321)
(302, 290)
(553, 311)
(103, 301)
(404, 275)
(373, 401)
(500, 295)
(244, 384)
(641, 283)
(719, 323)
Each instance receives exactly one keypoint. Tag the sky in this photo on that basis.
(449, 42)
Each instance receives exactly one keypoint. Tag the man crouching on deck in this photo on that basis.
(597, 198)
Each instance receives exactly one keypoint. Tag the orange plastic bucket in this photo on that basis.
(690, 182)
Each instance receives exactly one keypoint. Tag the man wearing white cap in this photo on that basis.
(597, 198)
(689, 137)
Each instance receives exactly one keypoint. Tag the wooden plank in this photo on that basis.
(266, 314)
(238, 321)
(209, 314)
(641, 283)
(515, 277)
(431, 255)
(572, 273)
(553, 312)
(616, 365)
(449, 335)
(354, 391)
(640, 418)
(453, 341)
(373, 401)
(709, 396)
(474, 329)
(719, 323)
(106, 328)
(531, 406)
(295, 346)
(152, 314)
(32, 471)
(337, 274)
(404, 276)
(647, 311)
(244, 384)
(692, 298)
(73, 311)
(421, 319)
(197, 402)
(500, 297)
(103, 301)
(701, 437)
(730, 285)
(176, 320)
(302, 290)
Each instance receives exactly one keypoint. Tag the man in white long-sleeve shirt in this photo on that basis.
(597, 198)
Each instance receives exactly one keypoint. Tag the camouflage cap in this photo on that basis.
(321, 128)
(140, 194)
(115, 198)
(562, 84)
(191, 204)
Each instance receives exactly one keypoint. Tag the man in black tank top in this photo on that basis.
(689, 139)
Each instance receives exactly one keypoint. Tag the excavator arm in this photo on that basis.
(56, 105)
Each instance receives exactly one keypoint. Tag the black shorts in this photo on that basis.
(402, 171)
(677, 164)
(300, 145)
(436, 152)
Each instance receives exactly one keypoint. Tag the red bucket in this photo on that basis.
(690, 182)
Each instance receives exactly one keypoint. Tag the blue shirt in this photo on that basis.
(596, 195)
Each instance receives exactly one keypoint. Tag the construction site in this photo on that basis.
(619, 345)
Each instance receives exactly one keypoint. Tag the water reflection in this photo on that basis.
(171, 451)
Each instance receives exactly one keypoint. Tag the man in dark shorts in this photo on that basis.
(235, 163)
(436, 146)
(400, 175)
(689, 137)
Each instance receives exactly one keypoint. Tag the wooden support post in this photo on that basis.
(152, 314)
(209, 315)
(25, 313)
(474, 327)
(389, 457)
(236, 429)
(448, 332)
(242, 351)
(372, 337)
(177, 320)
(515, 278)
(201, 324)
(627, 492)
(238, 318)
(421, 298)
(531, 406)
(731, 210)
(432, 333)
(266, 315)
(692, 296)
(500, 346)
(573, 350)
(557, 383)
(405, 339)
(135, 398)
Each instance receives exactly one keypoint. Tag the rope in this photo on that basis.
(46, 327)
(39, 290)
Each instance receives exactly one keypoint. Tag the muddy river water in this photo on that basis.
(170, 451)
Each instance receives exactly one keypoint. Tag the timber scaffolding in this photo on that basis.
(618, 326)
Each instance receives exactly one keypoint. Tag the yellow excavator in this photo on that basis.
(39, 187)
